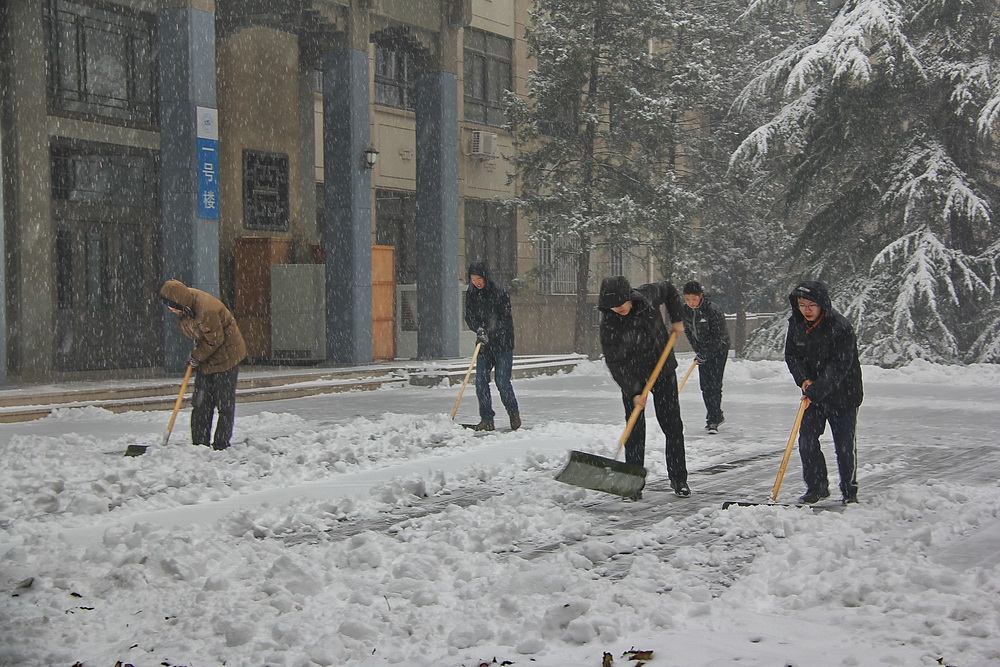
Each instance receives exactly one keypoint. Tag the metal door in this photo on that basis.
(107, 314)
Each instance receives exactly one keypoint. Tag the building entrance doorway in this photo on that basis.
(107, 258)
(106, 282)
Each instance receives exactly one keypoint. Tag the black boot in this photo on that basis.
(515, 421)
(810, 497)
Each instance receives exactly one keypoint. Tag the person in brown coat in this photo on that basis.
(218, 351)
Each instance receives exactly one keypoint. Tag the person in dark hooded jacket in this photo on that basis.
(218, 350)
(705, 328)
(821, 352)
(488, 313)
(633, 336)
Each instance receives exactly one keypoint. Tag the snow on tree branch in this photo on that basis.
(928, 174)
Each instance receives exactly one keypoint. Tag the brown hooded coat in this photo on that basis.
(218, 342)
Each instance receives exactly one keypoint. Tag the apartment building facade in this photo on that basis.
(328, 167)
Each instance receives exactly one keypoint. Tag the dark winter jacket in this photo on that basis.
(826, 353)
(632, 343)
(489, 309)
(218, 343)
(705, 327)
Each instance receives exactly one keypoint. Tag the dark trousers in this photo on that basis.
(710, 374)
(668, 414)
(843, 421)
(214, 392)
(502, 364)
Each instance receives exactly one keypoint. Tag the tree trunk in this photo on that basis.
(581, 327)
(740, 335)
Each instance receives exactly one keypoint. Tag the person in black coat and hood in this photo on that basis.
(705, 328)
(821, 352)
(633, 336)
(488, 313)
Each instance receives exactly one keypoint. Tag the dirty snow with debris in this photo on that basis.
(370, 529)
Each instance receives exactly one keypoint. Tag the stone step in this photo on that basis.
(26, 404)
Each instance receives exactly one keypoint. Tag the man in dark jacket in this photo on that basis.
(218, 351)
(705, 327)
(633, 336)
(488, 313)
(821, 352)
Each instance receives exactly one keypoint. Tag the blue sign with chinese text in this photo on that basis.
(208, 163)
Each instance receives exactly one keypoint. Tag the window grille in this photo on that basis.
(101, 61)
(558, 267)
(488, 75)
(491, 236)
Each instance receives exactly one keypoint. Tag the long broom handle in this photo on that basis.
(177, 405)
(687, 375)
(475, 353)
(637, 410)
(803, 404)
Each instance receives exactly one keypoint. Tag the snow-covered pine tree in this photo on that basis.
(738, 241)
(595, 137)
(885, 138)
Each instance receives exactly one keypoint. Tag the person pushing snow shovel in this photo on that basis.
(633, 335)
(218, 351)
(488, 313)
(821, 353)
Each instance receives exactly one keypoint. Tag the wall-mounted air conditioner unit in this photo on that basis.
(483, 144)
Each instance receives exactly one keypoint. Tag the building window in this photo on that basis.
(491, 236)
(395, 73)
(91, 173)
(488, 76)
(265, 191)
(97, 274)
(396, 226)
(101, 62)
(556, 267)
(617, 260)
(64, 269)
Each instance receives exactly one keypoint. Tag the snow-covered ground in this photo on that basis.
(370, 529)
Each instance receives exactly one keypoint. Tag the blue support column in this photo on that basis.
(347, 222)
(438, 307)
(187, 81)
(3, 271)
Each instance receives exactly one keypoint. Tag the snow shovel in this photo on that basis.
(139, 450)
(803, 404)
(472, 364)
(597, 473)
(687, 375)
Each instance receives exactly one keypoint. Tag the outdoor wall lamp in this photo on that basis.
(371, 156)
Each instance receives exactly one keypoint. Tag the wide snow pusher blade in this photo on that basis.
(598, 473)
(610, 475)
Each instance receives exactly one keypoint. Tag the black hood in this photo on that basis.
(479, 268)
(614, 292)
(812, 290)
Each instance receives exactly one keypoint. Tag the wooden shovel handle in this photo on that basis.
(475, 353)
(177, 405)
(637, 410)
(687, 375)
(788, 448)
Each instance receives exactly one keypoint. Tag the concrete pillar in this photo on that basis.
(187, 81)
(28, 178)
(438, 307)
(3, 248)
(347, 222)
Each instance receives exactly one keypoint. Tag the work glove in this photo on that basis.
(700, 359)
(193, 363)
(481, 336)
